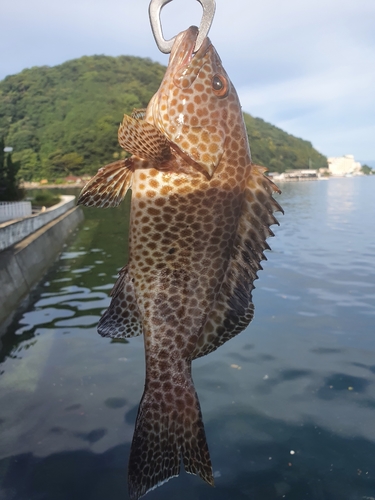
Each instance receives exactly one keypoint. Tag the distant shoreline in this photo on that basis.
(80, 185)
(32, 185)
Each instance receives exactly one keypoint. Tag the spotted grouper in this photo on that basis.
(200, 215)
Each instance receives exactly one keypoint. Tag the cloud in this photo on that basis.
(306, 66)
(334, 107)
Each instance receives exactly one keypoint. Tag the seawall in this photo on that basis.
(16, 230)
(23, 264)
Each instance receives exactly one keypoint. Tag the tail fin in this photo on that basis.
(169, 427)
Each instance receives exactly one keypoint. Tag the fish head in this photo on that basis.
(196, 104)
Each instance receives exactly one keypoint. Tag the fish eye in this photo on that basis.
(220, 85)
(217, 83)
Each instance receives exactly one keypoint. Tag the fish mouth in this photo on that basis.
(183, 49)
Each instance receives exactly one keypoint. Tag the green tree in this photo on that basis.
(31, 165)
(3, 177)
(276, 165)
(66, 164)
(13, 191)
(9, 183)
(367, 170)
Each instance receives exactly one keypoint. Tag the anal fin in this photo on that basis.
(122, 318)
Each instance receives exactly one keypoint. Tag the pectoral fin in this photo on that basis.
(142, 139)
(139, 113)
(109, 186)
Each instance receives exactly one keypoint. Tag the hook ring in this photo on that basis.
(165, 46)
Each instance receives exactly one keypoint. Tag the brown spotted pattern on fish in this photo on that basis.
(200, 216)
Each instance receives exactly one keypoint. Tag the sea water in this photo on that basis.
(288, 405)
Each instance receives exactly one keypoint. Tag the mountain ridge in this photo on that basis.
(63, 119)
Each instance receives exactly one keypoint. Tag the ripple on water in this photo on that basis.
(88, 304)
(72, 255)
(81, 321)
(108, 286)
(44, 316)
(64, 295)
(83, 270)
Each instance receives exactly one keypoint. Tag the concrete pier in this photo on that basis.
(16, 230)
(23, 264)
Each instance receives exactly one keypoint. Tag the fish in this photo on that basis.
(201, 212)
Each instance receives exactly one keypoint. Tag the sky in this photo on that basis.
(306, 66)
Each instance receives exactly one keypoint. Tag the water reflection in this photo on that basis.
(286, 461)
(301, 379)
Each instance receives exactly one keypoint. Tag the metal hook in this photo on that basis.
(165, 46)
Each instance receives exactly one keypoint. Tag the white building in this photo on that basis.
(344, 165)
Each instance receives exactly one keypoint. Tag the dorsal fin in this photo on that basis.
(122, 318)
(233, 309)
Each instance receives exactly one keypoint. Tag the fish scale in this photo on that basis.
(200, 216)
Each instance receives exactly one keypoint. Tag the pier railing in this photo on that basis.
(13, 231)
(14, 210)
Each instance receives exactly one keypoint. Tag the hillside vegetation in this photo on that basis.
(63, 120)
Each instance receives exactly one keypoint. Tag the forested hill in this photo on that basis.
(63, 120)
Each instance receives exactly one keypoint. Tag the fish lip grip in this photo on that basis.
(165, 46)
